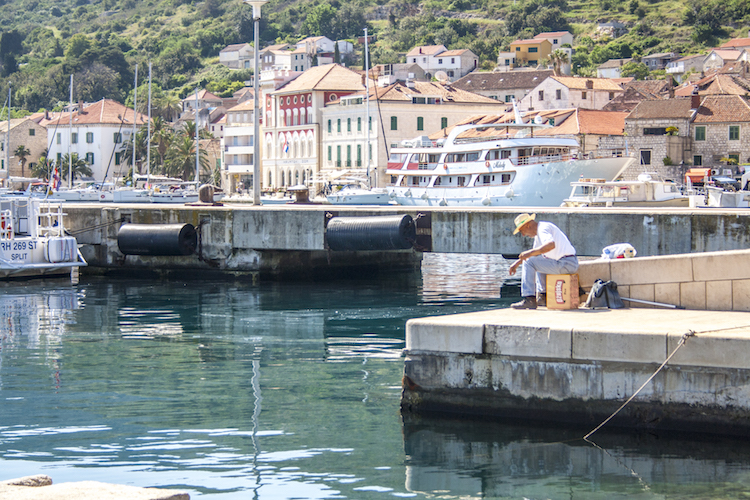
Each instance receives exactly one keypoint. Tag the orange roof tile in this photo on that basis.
(105, 111)
(326, 77)
(723, 109)
(581, 83)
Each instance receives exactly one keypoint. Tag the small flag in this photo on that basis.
(55, 179)
(286, 145)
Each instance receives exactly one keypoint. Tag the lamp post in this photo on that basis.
(257, 4)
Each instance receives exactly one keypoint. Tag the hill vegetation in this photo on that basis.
(43, 42)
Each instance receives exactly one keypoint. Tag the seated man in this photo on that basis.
(552, 254)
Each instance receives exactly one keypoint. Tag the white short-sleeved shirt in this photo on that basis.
(546, 232)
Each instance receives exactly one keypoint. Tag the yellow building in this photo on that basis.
(531, 52)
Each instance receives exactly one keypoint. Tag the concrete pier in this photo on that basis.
(579, 366)
(291, 239)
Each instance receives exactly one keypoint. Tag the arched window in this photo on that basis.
(268, 153)
(288, 118)
(302, 116)
(270, 179)
(296, 117)
(311, 144)
(282, 178)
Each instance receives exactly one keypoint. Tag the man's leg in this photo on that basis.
(535, 271)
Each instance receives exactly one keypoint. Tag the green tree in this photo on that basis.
(180, 159)
(320, 21)
(22, 153)
(77, 45)
(79, 166)
(637, 70)
(559, 58)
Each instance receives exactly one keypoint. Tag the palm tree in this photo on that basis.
(161, 137)
(168, 106)
(140, 149)
(43, 167)
(559, 58)
(21, 153)
(181, 158)
(79, 166)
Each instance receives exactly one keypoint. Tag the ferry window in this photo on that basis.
(437, 181)
(697, 160)
(394, 123)
(420, 123)
(734, 132)
(505, 153)
(461, 180)
(472, 156)
(443, 122)
(493, 154)
(505, 178)
(415, 181)
(433, 158)
(486, 179)
(700, 133)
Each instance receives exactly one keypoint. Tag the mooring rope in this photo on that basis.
(97, 226)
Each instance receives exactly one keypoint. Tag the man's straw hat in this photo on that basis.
(521, 220)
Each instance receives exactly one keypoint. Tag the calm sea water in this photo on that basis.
(291, 391)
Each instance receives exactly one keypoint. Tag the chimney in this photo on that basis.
(695, 100)
(80, 108)
(589, 84)
(420, 50)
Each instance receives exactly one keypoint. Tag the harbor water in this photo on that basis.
(229, 390)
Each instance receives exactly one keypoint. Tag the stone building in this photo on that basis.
(23, 132)
(721, 130)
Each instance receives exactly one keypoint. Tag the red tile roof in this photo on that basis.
(105, 111)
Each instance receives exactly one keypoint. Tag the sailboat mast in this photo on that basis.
(196, 138)
(367, 108)
(148, 141)
(135, 106)
(7, 138)
(70, 136)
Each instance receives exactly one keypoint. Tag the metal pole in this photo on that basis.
(256, 109)
(70, 137)
(135, 106)
(148, 142)
(367, 104)
(197, 146)
(7, 140)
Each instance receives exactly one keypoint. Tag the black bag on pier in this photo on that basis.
(604, 294)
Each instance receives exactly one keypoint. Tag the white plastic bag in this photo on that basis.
(618, 251)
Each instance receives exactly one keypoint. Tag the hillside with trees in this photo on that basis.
(43, 42)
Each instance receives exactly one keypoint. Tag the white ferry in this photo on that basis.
(499, 165)
(33, 241)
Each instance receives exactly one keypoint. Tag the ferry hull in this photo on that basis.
(541, 185)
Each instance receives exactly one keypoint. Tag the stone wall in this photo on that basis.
(717, 281)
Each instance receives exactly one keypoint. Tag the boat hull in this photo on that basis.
(540, 185)
(359, 197)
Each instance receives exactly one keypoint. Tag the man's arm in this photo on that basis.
(547, 247)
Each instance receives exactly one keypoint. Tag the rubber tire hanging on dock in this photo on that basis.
(157, 239)
(390, 232)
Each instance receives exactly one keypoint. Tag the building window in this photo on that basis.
(443, 122)
(697, 160)
(329, 126)
(359, 155)
(655, 131)
(74, 138)
(369, 125)
(89, 137)
(551, 122)
(700, 133)
(338, 125)
(394, 123)
(90, 158)
(734, 132)
(611, 95)
(558, 94)
(118, 158)
(330, 153)
(518, 49)
(32, 132)
(117, 137)
(508, 98)
(348, 155)
(583, 95)
(338, 156)
(440, 61)
(453, 60)
(59, 138)
(348, 124)
(533, 49)
(541, 95)
(645, 157)
(420, 123)
(359, 124)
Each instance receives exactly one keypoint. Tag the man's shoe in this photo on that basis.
(541, 299)
(526, 303)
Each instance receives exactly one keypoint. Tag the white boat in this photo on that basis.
(648, 191)
(509, 168)
(356, 194)
(729, 197)
(33, 241)
(87, 191)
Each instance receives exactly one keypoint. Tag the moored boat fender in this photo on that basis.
(391, 232)
(61, 249)
(157, 239)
